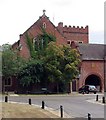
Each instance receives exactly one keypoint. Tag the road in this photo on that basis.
(74, 105)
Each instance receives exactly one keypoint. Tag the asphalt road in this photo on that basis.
(73, 105)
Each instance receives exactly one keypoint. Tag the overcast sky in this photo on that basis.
(18, 15)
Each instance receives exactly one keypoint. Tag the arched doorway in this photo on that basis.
(93, 80)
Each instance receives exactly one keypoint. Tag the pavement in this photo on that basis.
(99, 101)
(74, 102)
(96, 102)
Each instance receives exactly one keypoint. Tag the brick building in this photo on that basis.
(63, 34)
(92, 67)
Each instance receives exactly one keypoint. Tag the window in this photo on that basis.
(68, 42)
(44, 25)
(20, 46)
(80, 41)
(34, 40)
(38, 43)
(8, 82)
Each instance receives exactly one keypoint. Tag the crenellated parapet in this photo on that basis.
(72, 29)
(74, 33)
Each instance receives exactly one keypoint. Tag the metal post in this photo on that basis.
(29, 101)
(43, 104)
(61, 111)
(96, 97)
(6, 98)
(103, 99)
(89, 116)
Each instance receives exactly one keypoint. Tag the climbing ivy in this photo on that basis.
(43, 39)
(30, 46)
(41, 42)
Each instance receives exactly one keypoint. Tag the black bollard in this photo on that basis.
(103, 99)
(29, 101)
(43, 105)
(61, 111)
(6, 98)
(89, 116)
(96, 97)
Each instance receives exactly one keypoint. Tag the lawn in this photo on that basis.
(15, 110)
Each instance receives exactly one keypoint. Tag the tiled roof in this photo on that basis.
(91, 51)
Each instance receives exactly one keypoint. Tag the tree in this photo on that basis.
(31, 73)
(70, 63)
(57, 63)
(34, 70)
(53, 55)
(11, 62)
(61, 63)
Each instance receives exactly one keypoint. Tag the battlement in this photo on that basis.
(72, 29)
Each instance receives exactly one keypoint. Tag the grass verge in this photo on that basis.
(15, 110)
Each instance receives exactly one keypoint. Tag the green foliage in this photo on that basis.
(58, 64)
(42, 40)
(31, 73)
(37, 49)
(30, 46)
(50, 62)
(70, 63)
(11, 62)
(61, 63)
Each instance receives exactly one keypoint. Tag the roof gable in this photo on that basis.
(36, 29)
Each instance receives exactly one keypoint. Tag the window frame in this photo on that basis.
(44, 25)
(7, 81)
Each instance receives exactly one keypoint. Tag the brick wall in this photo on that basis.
(92, 67)
(35, 29)
(74, 33)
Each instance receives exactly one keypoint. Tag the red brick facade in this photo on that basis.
(92, 66)
(95, 68)
(65, 35)
(34, 30)
(76, 34)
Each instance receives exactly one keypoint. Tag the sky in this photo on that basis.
(16, 16)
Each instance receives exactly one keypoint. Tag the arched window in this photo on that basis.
(44, 25)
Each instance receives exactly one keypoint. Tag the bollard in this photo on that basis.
(89, 116)
(61, 111)
(29, 101)
(103, 99)
(43, 105)
(96, 97)
(6, 98)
